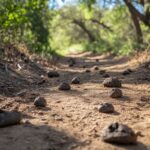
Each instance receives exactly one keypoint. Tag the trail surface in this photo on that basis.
(70, 120)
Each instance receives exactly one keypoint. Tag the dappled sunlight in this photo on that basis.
(74, 75)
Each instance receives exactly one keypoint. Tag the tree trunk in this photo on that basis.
(147, 10)
(135, 22)
(143, 17)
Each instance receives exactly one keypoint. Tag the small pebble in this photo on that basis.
(106, 108)
(40, 102)
(95, 68)
(75, 80)
(72, 62)
(145, 98)
(58, 118)
(112, 82)
(97, 60)
(64, 86)
(52, 74)
(87, 70)
(70, 65)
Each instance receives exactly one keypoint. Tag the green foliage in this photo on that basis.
(114, 31)
(84, 26)
(25, 21)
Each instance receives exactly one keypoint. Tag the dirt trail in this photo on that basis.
(70, 120)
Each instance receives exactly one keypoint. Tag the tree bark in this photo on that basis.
(143, 17)
(135, 21)
(147, 10)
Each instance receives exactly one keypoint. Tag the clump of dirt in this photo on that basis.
(119, 133)
(75, 80)
(106, 108)
(116, 93)
(40, 102)
(53, 74)
(64, 86)
(112, 82)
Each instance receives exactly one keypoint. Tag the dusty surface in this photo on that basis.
(70, 120)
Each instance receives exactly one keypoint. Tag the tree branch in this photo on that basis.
(141, 16)
(81, 24)
(102, 24)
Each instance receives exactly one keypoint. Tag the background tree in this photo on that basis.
(26, 22)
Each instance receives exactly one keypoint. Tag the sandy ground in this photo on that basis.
(70, 120)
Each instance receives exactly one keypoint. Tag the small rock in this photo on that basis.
(119, 134)
(58, 101)
(70, 65)
(106, 108)
(26, 60)
(145, 98)
(75, 80)
(116, 93)
(87, 70)
(42, 76)
(127, 71)
(112, 82)
(97, 60)
(40, 102)
(8, 118)
(64, 86)
(95, 68)
(52, 74)
(58, 118)
(69, 115)
(102, 72)
(84, 66)
(106, 75)
(72, 62)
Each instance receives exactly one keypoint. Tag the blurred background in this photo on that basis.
(48, 27)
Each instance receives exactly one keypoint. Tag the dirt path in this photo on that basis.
(71, 121)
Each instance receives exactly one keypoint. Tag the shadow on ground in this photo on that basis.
(34, 137)
(138, 146)
(43, 137)
(30, 76)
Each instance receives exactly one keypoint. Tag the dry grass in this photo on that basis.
(142, 58)
(22, 48)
